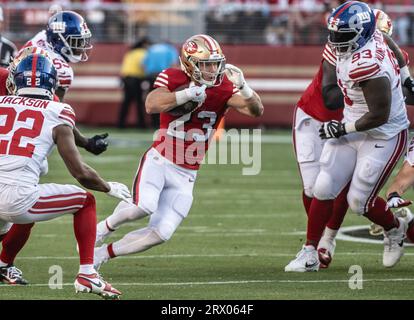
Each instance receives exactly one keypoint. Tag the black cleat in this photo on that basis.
(12, 276)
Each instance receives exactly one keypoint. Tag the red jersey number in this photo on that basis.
(175, 128)
(15, 148)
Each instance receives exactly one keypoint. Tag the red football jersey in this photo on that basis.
(184, 139)
(312, 102)
(4, 73)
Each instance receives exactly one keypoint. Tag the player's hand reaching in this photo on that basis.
(235, 75)
(120, 191)
(332, 129)
(395, 201)
(97, 144)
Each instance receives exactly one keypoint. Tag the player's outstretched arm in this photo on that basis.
(86, 176)
(332, 94)
(247, 101)
(403, 181)
(96, 145)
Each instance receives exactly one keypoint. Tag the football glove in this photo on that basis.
(192, 93)
(120, 191)
(409, 84)
(395, 201)
(332, 129)
(235, 75)
(97, 144)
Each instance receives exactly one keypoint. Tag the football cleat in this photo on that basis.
(375, 229)
(102, 232)
(306, 260)
(326, 250)
(11, 275)
(93, 283)
(100, 256)
(394, 244)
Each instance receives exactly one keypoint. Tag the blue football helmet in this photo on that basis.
(350, 26)
(36, 75)
(69, 35)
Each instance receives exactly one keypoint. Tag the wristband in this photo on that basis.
(350, 127)
(245, 91)
(181, 97)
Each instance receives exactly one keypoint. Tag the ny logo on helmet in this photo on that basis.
(333, 23)
(58, 26)
(364, 17)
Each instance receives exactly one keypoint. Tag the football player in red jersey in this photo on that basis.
(165, 177)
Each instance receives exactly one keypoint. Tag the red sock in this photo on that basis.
(14, 241)
(307, 201)
(319, 214)
(340, 208)
(2, 236)
(84, 223)
(379, 214)
(410, 232)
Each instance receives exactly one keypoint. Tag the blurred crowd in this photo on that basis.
(273, 22)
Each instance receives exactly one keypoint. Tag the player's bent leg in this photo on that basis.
(327, 244)
(330, 181)
(147, 187)
(373, 168)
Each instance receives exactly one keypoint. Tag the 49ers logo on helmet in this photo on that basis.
(191, 47)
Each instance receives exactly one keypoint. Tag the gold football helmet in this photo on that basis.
(202, 59)
(383, 21)
(23, 53)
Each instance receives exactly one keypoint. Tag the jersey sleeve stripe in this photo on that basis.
(68, 114)
(367, 76)
(164, 75)
(159, 84)
(64, 81)
(329, 56)
(162, 80)
(363, 73)
(68, 120)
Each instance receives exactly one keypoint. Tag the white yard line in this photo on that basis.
(204, 283)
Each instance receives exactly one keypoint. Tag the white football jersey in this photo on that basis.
(64, 70)
(26, 136)
(372, 61)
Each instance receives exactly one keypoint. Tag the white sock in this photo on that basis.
(124, 212)
(309, 247)
(136, 241)
(3, 264)
(330, 233)
(87, 269)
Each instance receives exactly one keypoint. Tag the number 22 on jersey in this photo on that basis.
(9, 121)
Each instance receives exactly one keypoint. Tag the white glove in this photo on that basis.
(193, 93)
(395, 201)
(44, 167)
(236, 76)
(120, 191)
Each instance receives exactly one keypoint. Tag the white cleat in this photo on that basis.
(100, 256)
(394, 244)
(93, 283)
(326, 251)
(102, 232)
(306, 260)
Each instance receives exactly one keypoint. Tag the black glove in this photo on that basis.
(97, 144)
(332, 129)
(409, 84)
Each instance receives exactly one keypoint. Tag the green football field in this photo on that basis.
(234, 244)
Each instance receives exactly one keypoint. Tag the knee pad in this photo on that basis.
(309, 172)
(324, 188)
(355, 204)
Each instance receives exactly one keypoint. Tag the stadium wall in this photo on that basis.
(279, 74)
